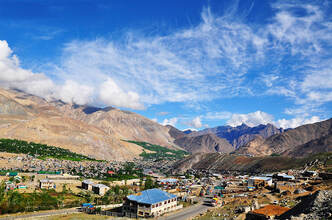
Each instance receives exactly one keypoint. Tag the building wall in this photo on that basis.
(157, 209)
(86, 186)
(46, 185)
(143, 210)
(165, 207)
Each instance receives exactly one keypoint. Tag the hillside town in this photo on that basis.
(152, 193)
(165, 110)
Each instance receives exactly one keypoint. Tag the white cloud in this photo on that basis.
(295, 122)
(195, 122)
(256, 118)
(250, 119)
(154, 119)
(13, 76)
(191, 129)
(111, 94)
(171, 121)
(72, 92)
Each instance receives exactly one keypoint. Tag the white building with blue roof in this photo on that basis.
(151, 202)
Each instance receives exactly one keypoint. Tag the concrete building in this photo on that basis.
(46, 184)
(260, 181)
(148, 203)
(100, 189)
(87, 184)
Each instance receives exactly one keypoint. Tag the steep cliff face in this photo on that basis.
(91, 131)
(301, 141)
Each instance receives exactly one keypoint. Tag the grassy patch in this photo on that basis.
(41, 151)
(159, 152)
(76, 217)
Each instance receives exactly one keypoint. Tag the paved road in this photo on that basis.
(41, 214)
(186, 213)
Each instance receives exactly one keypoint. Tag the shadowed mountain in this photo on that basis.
(301, 141)
(202, 143)
(241, 135)
(207, 143)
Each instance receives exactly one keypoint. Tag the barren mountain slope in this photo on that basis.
(323, 144)
(292, 141)
(98, 134)
(207, 143)
(225, 162)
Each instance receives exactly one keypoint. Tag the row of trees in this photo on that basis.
(39, 150)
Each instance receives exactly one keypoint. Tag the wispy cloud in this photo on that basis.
(214, 59)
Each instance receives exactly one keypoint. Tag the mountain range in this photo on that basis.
(100, 132)
(95, 132)
(242, 134)
(223, 139)
(301, 141)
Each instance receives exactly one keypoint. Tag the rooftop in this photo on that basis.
(100, 186)
(88, 182)
(169, 180)
(151, 196)
(271, 210)
(261, 178)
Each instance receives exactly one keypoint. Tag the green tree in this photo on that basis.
(149, 184)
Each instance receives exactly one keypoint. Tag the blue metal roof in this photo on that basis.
(151, 196)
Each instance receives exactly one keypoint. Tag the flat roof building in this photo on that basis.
(148, 203)
(100, 189)
(260, 181)
(46, 184)
(87, 184)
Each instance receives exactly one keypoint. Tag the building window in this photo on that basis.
(140, 213)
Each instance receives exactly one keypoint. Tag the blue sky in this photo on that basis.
(189, 63)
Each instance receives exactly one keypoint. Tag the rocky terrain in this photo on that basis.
(316, 206)
(94, 132)
(301, 141)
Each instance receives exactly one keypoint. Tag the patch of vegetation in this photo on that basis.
(13, 201)
(159, 152)
(127, 172)
(41, 151)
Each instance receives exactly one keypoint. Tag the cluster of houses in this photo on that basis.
(16, 182)
(99, 189)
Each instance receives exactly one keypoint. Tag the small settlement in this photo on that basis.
(228, 194)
